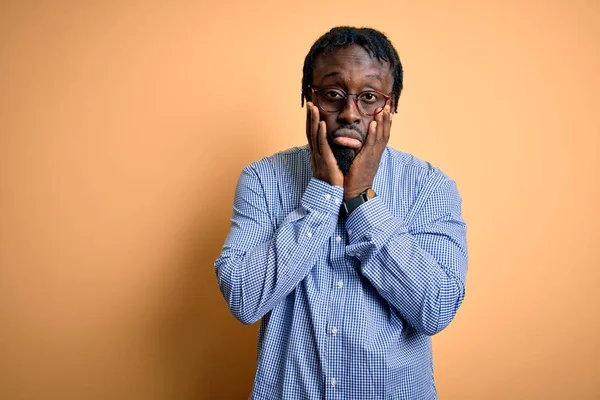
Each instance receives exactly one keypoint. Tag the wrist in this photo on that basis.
(353, 193)
(332, 180)
(351, 204)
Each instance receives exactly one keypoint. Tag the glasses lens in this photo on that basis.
(369, 102)
(331, 99)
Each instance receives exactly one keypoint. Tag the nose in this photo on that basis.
(349, 114)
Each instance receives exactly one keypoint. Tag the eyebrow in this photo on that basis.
(376, 76)
(330, 74)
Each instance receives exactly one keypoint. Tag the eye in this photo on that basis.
(333, 94)
(370, 97)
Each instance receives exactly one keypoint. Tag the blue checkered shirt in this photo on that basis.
(348, 304)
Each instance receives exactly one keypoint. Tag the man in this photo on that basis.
(352, 253)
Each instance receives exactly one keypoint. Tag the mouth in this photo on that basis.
(347, 138)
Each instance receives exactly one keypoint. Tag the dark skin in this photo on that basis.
(354, 70)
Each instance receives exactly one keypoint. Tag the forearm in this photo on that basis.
(419, 272)
(421, 289)
(255, 276)
(255, 280)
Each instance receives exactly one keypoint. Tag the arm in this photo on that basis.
(419, 267)
(261, 264)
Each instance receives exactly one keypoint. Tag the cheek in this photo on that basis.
(364, 124)
(328, 118)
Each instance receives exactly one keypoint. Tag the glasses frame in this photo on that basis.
(316, 90)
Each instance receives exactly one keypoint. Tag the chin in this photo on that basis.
(344, 157)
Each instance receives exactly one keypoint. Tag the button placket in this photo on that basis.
(335, 349)
(334, 327)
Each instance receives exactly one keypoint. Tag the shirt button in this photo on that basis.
(333, 382)
(338, 239)
(357, 254)
(340, 284)
(309, 234)
(334, 331)
(349, 231)
(327, 196)
(337, 201)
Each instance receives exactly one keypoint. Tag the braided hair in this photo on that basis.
(375, 42)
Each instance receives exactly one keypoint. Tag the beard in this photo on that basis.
(344, 157)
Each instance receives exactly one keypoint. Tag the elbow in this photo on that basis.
(439, 313)
(237, 308)
(233, 293)
(431, 329)
(244, 316)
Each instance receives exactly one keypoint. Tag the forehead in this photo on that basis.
(351, 63)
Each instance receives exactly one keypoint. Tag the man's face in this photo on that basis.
(353, 70)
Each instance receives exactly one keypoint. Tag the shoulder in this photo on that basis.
(283, 174)
(414, 171)
(291, 159)
(423, 189)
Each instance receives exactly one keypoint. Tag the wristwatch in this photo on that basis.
(350, 205)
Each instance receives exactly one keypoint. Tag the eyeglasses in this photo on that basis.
(332, 99)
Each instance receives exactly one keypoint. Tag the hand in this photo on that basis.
(323, 163)
(364, 167)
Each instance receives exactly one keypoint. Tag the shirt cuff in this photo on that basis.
(321, 196)
(372, 222)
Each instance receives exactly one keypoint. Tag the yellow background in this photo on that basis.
(124, 126)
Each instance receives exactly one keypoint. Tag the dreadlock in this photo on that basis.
(371, 40)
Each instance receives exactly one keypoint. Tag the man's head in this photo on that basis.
(349, 61)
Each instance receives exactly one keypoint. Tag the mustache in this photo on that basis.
(353, 127)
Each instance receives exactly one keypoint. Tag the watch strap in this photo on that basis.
(352, 204)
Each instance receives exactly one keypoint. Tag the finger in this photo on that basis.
(315, 128)
(309, 129)
(371, 134)
(379, 117)
(387, 125)
(307, 118)
(384, 133)
(324, 148)
(381, 120)
(372, 129)
(308, 124)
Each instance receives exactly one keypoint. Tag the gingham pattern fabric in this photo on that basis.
(347, 304)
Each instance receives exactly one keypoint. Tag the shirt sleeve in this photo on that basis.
(418, 266)
(261, 263)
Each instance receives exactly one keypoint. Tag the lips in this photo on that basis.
(347, 138)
